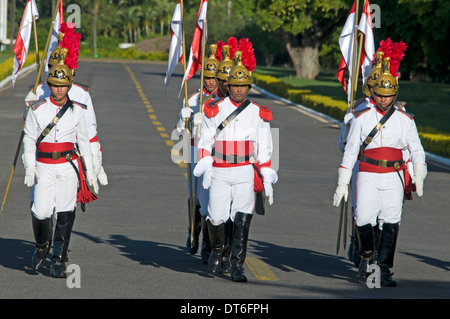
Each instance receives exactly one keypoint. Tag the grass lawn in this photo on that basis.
(5, 55)
(429, 102)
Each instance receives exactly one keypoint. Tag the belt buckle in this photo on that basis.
(383, 163)
(56, 155)
(235, 159)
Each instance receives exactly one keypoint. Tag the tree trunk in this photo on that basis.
(305, 58)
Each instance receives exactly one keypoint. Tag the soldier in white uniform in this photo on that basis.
(191, 113)
(78, 92)
(226, 166)
(383, 175)
(53, 167)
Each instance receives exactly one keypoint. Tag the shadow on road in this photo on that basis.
(146, 252)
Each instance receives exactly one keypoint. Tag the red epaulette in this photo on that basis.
(361, 112)
(35, 104)
(82, 86)
(410, 115)
(84, 106)
(264, 112)
(210, 107)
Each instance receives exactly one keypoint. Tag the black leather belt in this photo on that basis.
(55, 155)
(233, 159)
(382, 163)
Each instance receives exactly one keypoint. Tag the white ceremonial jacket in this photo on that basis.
(71, 128)
(251, 126)
(79, 93)
(399, 132)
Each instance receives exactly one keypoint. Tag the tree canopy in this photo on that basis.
(304, 32)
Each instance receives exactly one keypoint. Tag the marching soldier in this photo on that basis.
(210, 90)
(353, 251)
(53, 166)
(232, 146)
(68, 41)
(378, 134)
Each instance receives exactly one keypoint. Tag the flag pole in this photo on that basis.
(361, 39)
(36, 42)
(191, 207)
(19, 145)
(354, 60)
(200, 106)
(343, 216)
(44, 55)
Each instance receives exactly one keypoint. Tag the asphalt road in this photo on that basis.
(130, 243)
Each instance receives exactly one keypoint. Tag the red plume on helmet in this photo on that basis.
(244, 45)
(395, 51)
(248, 54)
(70, 41)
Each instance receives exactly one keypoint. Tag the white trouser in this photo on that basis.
(55, 190)
(231, 191)
(378, 196)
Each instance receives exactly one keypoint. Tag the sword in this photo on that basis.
(344, 238)
(341, 216)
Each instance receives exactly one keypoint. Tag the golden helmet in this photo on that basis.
(60, 74)
(211, 64)
(239, 74)
(386, 84)
(376, 70)
(366, 90)
(59, 54)
(225, 66)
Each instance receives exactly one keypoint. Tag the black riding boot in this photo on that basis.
(366, 247)
(206, 244)
(386, 251)
(42, 230)
(239, 249)
(192, 246)
(217, 238)
(226, 267)
(63, 229)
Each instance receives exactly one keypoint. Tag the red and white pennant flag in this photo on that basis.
(368, 50)
(176, 43)
(195, 56)
(53, 44)
(346, 44)
(23, 37)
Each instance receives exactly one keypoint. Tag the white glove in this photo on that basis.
(203, 164)
(96, 156)
(342, 189)
(186, 113)
(198, 118)
(97, 162)
(29, 162)
(30, 176)
(269, 177)
(90, 174)
(207, 177)
(102, 178)
(420, 172)
(348, 118)
(268, 190)
(30, 97)
(204, 167)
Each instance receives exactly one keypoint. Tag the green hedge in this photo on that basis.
(6, 68)
(435, 142)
